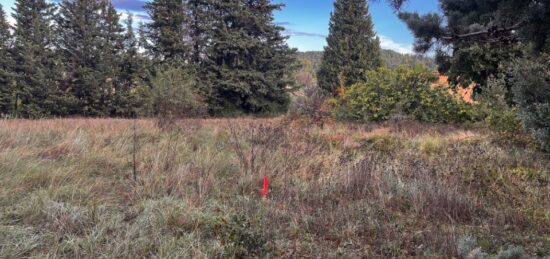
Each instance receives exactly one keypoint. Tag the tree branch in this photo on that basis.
(484, 32)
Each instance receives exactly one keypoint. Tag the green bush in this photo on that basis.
(493, 109)
(532, 94)
(402, 92)
(175, 95)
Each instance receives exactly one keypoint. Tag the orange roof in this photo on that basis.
(465, 93)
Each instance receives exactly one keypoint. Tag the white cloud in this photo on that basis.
(387, 43)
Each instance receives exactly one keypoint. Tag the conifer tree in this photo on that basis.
(36, 67)
(166, 34)
(133, 70)
(7, 101)
(476, 39)
(91, 43)
(352, 46)
(198, 24)
(249, 65)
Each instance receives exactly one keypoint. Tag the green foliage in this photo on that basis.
(468, 247)
(477, 62)
(473, 38)
(36, 67)
(130, 98)
(246, 73)
(493, 108)
(405, 91)
(240, 238)
(394, 59)
(91, 42)
(390, 58)
(7, 98)
(532, 95)
(167, 32)
(352, 46)
(174, 95)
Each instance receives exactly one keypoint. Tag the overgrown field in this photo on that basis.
(69, 189)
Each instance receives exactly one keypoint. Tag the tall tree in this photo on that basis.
(248, 62)
(36, 66)
(473, 39)
(167, 33)
(133, 71)
(198, 25)
(91, 43)
(352, 46)
(7, 101)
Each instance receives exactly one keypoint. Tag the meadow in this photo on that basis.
(115, 188)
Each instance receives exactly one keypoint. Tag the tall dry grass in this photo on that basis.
(341, 191)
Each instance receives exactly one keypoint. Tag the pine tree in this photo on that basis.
(132, 74)
(352, 46)
(36, 67)
(249, 66)
(91, 43)
(7, 101)
(167, 33)
(198, 24)
(475, 39)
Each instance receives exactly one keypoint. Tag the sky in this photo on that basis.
(306, 21)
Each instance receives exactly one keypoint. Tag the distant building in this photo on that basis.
(465, 93)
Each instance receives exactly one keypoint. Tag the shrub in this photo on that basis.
(514, 252)
(241, 239)
(532, 95)
(402, 92)
(175, 95)
(310, 104)
(493, 109)
(468, 248)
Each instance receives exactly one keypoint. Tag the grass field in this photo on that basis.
(69, 189)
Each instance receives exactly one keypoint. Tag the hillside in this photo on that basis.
(390, 58)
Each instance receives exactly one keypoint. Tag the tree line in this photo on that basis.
(79, 58)
(500, 46)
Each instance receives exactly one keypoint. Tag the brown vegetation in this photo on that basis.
(341, 191)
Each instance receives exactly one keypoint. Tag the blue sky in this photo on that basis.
(306, 21)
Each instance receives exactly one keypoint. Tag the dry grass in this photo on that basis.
(341, 191)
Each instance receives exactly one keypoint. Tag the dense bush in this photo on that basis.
(175, 95)
(493, 109)
(532, 95)
(405, 92)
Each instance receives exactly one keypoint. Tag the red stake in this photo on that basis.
(266, 188)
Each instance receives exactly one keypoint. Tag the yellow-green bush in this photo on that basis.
(401, 92)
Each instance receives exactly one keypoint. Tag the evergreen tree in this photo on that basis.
(91, 43)
(198, 25)
(7, 101)
(36, 67)
(167, 33)
(352, 46)
(133, 72)
(473, 39)
(249, 66)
